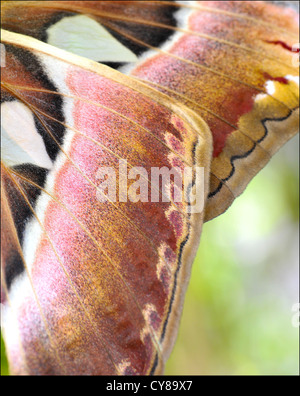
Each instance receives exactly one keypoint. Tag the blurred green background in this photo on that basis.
(245, 279)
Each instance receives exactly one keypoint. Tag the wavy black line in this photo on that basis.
(244, 155)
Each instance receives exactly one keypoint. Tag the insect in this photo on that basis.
(98, 241)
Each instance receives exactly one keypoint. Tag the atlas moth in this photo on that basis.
(96, 286)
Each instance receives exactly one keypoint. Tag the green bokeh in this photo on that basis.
(4, 364)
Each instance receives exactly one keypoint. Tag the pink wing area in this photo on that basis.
(103, 282)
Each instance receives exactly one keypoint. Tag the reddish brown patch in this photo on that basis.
(283, 45)
(282, 80)
(170, 256)
(176, 144)
(238, 103)
(176, 220)
(165, 279)
(129, 371)
(155, 320)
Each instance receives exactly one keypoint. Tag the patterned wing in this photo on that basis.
(93, 280)
(233, 62)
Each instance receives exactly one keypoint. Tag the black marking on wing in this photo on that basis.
(114, 65)
(6, 96)
(154, 36)
(14, 266)
(21, 212)
(50, 103)
(151, 35)
(178, 267)
(244, 155)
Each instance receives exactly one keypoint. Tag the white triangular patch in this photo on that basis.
(84, 36)
(20, 141)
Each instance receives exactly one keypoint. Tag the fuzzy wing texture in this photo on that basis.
(92, 281)
(235, 63)
(94, 285)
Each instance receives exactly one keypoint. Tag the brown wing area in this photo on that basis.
(104, 279)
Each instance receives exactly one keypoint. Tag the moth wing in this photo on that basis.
(103, 275)
(235, 64)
